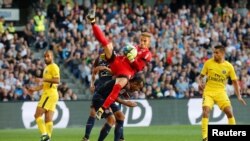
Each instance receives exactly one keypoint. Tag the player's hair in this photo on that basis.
(220, 47)
(49, 51)
(146, 34)
(138, 80)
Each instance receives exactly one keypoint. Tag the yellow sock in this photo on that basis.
(231, 121)
(204, 127)
(41, 125)
(49, 127)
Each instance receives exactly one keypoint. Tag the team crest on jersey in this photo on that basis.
(224, 71)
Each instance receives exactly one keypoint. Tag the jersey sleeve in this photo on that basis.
(204, 69)
(140, 61)
(55, 71)
(232, 73)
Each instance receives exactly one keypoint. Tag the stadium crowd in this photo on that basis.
(182, 39)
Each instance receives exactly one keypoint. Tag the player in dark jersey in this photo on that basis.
(100, 67)
(122, 67)
(104, 75)
(102, 93)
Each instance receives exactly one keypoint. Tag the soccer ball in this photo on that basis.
(129, 48)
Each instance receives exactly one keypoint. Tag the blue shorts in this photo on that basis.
(97, 102)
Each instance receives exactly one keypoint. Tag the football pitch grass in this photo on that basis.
(151, 133)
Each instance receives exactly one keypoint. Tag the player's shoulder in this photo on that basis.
(53, 66)
(228, 63)
(209, 61)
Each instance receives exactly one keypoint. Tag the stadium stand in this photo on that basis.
(183, 37)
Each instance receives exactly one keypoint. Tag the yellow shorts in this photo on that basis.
(48, 99)
(219, 98)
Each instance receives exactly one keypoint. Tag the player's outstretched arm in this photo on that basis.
(126, 102)
(100, 68)
(237, 92)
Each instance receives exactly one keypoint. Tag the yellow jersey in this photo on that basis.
(50, 71)
(217, 75)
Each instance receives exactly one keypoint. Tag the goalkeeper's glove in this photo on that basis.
(132, 54)
(99, 113)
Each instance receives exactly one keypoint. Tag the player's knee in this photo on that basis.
(119, 115)
(205, 112)
(108, 49)
(48, 117)
(111, 120)
(92, 112)
(229, 115)
(122, 81)
(228, 112)
(37, 115)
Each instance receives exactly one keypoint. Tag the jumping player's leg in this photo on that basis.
(119, 84)
(98, 33)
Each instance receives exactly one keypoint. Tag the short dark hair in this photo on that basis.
(138, 80)
(220, 47)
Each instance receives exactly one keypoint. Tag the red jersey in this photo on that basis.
(143, 57)
(120, 66)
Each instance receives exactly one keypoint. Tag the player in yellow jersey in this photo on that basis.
(49, 97)
(217, 70)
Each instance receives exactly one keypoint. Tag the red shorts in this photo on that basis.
(120, 66)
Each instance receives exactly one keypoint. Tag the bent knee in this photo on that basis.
(205, 111)
(119, 115)
(111, 120)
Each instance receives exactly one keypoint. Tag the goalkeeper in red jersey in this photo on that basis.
(122, 67)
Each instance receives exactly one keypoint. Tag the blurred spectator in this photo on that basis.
(1, 25)
(39, 22)
(183, 37)
(41, 42)
(65, 93)
(62, 89)
(29, 32)
(11, 28)
(51, 10)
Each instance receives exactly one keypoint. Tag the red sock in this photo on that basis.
(100, 35)
(112, 96)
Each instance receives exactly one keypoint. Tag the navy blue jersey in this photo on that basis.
(101, 93)
(101, 61)
(103, 75)
(105, 89)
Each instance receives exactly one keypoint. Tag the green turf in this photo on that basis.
(152, 133)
